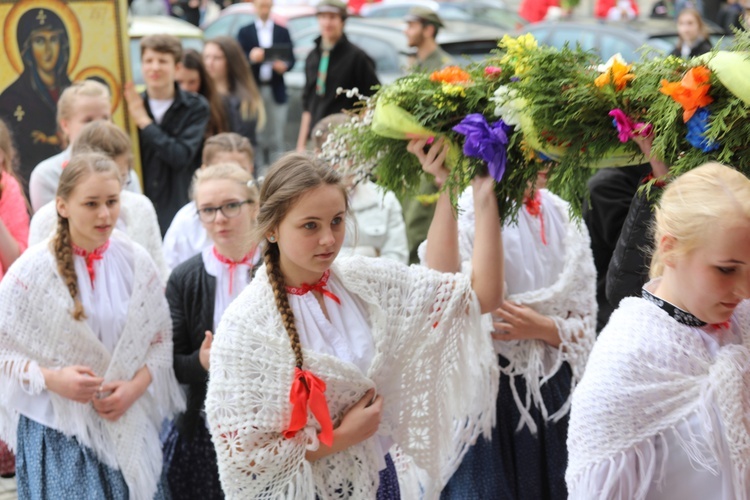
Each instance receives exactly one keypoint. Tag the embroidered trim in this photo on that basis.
(319, 287)
(96, 254)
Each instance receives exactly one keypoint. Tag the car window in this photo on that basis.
(383, 53)
(610, 45)
(504, 18)
(222, 26)
(297, 24)
(453, 13)
(135, 60)
(586, 39)
(391, 12)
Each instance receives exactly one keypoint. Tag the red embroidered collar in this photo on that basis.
(319, 287)
(534, 208)
(91, 257)
(245, 261)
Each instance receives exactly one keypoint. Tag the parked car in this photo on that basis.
(489, 12)
(294, 17)
(140, 26)
(610, 38)
(385, 42)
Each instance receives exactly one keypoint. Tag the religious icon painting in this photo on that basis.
(47, 44)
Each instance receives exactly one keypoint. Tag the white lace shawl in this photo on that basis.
(136, 211)
(433, 365)
(570, 301)
(37, 329)
(647, 374)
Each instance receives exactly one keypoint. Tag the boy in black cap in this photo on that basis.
(334, 63)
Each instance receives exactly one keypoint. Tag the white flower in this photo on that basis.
(603, 68)
(506, 104)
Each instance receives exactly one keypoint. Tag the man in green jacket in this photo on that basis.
(422, 25)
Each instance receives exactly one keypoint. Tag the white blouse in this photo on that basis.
(228, 285)
(185, 237)
(105, 303)
(346, 334)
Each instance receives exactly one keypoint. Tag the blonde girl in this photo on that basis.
(186, 235)
(662, 410)
(81, 103)
(137, 215)
(379, 353)
(199, 291)
(86, 373)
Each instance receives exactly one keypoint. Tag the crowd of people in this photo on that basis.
(243, 322)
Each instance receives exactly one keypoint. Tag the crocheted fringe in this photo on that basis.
(650, 469)
(475, 388)
(167, 394)
(16, 371)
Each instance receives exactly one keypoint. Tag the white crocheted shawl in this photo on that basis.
(37, 329)
(570, 301)
(646, 374)
(138, 214)
(433, 365)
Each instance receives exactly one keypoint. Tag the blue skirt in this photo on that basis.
(50, 465)
(518, 465)
(190, 464)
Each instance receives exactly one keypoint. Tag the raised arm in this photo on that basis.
(442, 252)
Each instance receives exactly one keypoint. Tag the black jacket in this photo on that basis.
(698, 50)
(169, 153)
(248, 38)
(348, 67)
(190, 293)
(611, 191)
(629, 266)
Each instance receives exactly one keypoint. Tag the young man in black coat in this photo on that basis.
(334, 63)
(171, 125)
(269, 73)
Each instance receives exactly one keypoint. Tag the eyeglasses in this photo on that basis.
(229, 210)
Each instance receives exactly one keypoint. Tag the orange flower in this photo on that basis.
(692, 92)
(451, 74)
(618, 73)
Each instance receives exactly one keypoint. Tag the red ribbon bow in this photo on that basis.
(307, 389)
(91, 257)
(534, 208)
(319, 287)
(246, 261)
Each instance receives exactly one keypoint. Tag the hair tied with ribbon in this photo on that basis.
(308, 391)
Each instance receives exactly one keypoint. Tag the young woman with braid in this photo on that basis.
(137, 214)
(321, 365)
(198, 291)
(86, 375)
(186, 235)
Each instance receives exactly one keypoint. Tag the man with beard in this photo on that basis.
(422, 25)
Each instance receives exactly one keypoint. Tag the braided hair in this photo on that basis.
(289, 178)
(78, 169)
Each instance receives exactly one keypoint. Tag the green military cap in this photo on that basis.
(424, 15)
(331, 6)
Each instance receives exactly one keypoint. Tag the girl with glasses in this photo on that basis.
(198, 291)
(186, 235)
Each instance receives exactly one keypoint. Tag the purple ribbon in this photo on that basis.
(488, 142)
